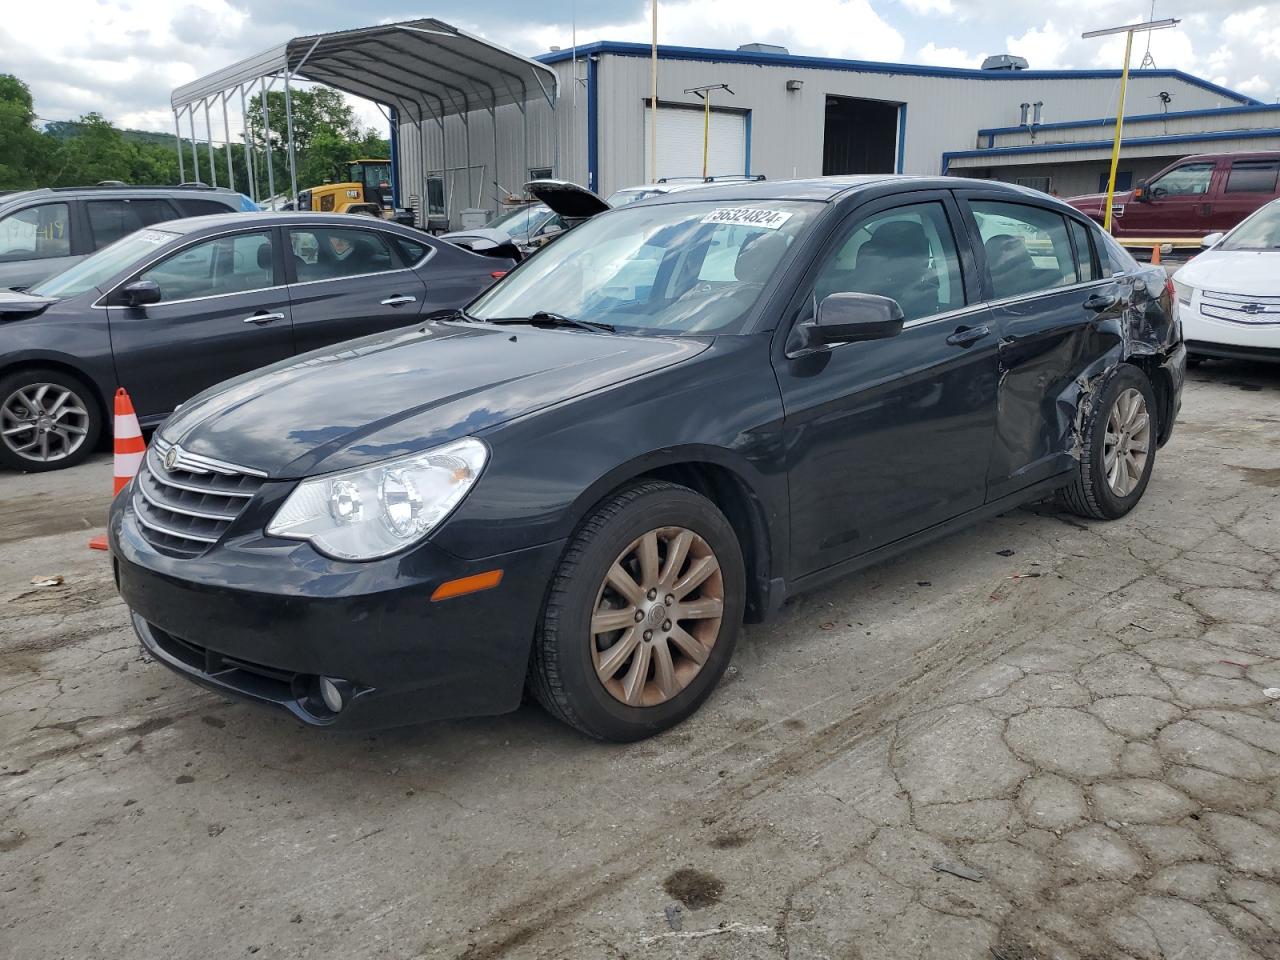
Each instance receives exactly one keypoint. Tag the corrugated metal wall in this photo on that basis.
(786, 128)
(1160, 127)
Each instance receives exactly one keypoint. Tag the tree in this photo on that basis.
(25, 154)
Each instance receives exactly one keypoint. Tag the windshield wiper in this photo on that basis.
(545, 318)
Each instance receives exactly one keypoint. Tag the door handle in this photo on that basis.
(1101, 301)
(398, 301)
(264, 318)
(967, 336)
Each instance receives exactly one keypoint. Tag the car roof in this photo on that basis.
(273, 218)
(114, 190)
(829, 189)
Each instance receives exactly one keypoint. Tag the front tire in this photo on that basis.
(48, 420)
(1119, 448)
(642, 615)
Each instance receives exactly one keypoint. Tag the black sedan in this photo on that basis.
(681, 413)
(179, 306)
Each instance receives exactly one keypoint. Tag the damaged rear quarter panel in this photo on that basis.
(1055, 356)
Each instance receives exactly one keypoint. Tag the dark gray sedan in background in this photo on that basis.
(179, 306)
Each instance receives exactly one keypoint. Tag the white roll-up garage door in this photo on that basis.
(680, 143)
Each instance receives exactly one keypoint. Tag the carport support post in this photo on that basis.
(266, 126)
(293, 159)
(226, 134)
(208, 132)
(250, 162)
(195, 157)
(177, 131)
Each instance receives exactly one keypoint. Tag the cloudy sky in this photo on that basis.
(122, 57)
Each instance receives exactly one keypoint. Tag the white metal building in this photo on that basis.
(791, 116)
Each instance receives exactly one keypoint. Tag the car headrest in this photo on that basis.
(759, 256)
(1005, 252)
(264, 256)
(897, 239)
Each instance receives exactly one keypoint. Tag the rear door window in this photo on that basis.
(36, 233)
(1253, 176)
(1084, 251)
(328, 253)
(109, 220)
(234, 264)
(1027, 248)
(199, 207)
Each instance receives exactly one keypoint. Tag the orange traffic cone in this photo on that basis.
(1155, 255)
(130, 448)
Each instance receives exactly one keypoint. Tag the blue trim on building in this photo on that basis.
(867, 66)
(902, 137)
(991, 132)
(747, 159)
(395, 156)
(1106, 144)
(593, 123)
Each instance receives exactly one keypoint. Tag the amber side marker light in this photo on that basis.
(464, 585)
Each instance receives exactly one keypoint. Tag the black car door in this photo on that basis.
(891, 436)
(346, 282)
(222, 312)
(1050, 304)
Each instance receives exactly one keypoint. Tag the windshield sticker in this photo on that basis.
(748, 217)
(154, 236)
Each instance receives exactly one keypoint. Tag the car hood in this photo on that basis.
(15, 305)
(402, 392)
(1095, 201)
(1246, 272)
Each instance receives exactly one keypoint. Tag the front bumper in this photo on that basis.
(262, 619)
(1210, 333)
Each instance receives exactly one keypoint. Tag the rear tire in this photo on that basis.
(49, 420)
(1119, 448)
(626, 647)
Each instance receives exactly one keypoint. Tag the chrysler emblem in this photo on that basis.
(171, 457)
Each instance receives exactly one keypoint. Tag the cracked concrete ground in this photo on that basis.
(939, 757)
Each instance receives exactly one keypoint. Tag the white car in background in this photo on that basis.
(1229, 296)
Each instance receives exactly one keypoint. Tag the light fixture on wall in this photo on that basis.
(794, 86)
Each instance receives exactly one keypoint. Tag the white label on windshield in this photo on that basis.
(748, 217)
(154, 236)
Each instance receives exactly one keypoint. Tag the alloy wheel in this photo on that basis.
(657, 616)
(43, 422)
(1127, 443)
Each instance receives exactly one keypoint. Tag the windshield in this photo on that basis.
(666, 268)
(1259, 232)
(519, 222)
(630, 195)
(96, 270)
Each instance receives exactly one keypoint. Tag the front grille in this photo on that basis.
(184, 509)
(1240, 308)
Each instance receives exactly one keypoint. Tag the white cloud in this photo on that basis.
(936, 56)
(925, 7)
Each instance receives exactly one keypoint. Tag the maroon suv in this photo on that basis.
(1191, 198)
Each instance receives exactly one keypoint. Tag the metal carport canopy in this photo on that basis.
(426, 69)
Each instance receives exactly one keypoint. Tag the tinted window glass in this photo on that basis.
(226, 265)
(1253, 176)
(1115, 258)
(326, 253)
(410, 251)
(1027, 248)
(908, 254)
(1188, 180)
(35, 233)
(1084, 257)
(109, 220)
(198, 207)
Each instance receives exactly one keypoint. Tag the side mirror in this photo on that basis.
(851, 317)
(142, 292)
(1212, 240)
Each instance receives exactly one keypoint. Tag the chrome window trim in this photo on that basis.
(945, 315)
(1051, 291)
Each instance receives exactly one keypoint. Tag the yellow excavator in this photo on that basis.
(366, 191)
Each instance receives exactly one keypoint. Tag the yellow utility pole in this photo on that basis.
(1128, 31)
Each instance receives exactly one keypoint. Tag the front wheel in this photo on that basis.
(642, 616)
(48, 420)
(1119, 448)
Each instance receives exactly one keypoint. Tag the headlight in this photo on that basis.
(375, 511)
(1183, 291)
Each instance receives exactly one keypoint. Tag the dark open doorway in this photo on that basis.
(860, 136)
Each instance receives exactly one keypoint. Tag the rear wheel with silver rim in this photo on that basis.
(48, 420)
(643, 613)
(1118, 449)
